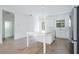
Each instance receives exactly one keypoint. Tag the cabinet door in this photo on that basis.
(62, 33)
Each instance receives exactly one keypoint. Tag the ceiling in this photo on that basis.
(39, 9)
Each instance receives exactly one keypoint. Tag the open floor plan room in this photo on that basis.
(37, 29)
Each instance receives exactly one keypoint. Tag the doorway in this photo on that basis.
(8, 25)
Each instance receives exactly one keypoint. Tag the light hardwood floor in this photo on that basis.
(59, 46)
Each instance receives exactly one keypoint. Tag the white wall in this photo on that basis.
(50, 22)
(63, 32)
(50, 25)
(22, 24)
(25, 23)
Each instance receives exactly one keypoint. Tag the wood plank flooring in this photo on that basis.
(59, 46)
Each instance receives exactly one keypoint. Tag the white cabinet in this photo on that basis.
(63, 33)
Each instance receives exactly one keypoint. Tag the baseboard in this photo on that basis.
(60, 38)
(8, 37)
(64, 38)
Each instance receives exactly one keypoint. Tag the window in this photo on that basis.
(60, 23)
